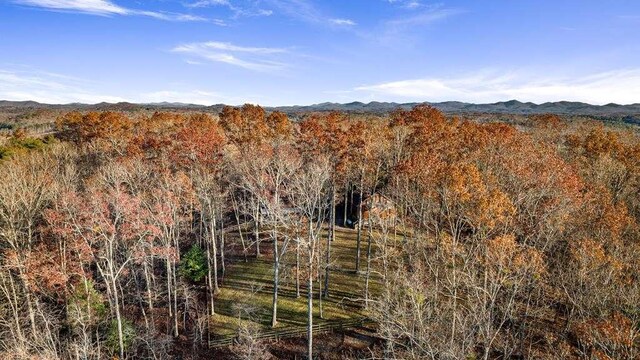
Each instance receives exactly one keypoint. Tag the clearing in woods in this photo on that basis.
(246, 291)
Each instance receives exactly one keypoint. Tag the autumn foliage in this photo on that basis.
(504, 242)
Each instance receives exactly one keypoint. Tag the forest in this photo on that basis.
(245, 234)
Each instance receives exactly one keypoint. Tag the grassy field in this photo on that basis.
(247, 287)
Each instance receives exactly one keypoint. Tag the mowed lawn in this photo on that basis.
(246, 292)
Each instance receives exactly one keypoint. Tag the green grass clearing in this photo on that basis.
(246, 292)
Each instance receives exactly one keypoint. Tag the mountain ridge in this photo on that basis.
(501, 107)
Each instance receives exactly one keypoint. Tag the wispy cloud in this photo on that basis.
(29, 84)
(619, 86)
(342, 22)
(24, 83)
(307, 11)
(245, 10)
(299, 9)
(95, 7)
(207, 3)
(629, 17)
(407, 4)
(187, 97)
(416, 20)
(262, 59)
(105, 8)
(408, 23)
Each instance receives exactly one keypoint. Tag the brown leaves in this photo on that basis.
(607, 338)
(280, 127)
(325, 134)
(548, 121)
(199, 143)
(84, 128)
(44, 272)
(599, 142)
(102, 218)
(244, 126)
(506, 255)
(595, 264)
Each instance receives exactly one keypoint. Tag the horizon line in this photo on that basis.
(319, 103)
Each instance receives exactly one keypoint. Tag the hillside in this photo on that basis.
(503, 107)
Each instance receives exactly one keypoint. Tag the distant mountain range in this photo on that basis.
(503, 107)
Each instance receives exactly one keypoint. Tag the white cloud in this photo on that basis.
(26, 83)
(21, 85)
(262, 12)
(299, 9)
(171, 16)
(251, 58)
(306, 11)
(198, 97)
(618, 86)
(426, 17)
(407, 4)
(187, 97)
(96, 7)
(104, 8)
(216, 45)
(207, 3)
(405, 28)
(250, 10)
(342, 22)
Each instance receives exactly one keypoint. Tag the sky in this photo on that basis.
(301, 52)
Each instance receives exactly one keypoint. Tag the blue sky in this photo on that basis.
(285, 52)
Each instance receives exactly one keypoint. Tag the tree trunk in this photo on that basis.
(169, 286)
(118, 316)
(310, 311)
(14, 307)
(330, 238)
(297, 267)
(359, 222)
(320, 309)
(276, 278)
(32, 315)
(235, 213)
(210, 280)
(256, 230)
(346, 206)
(368, 275)
(214, 249)
(147, 279)
(222, 244)
(175, 299)
(139, 296)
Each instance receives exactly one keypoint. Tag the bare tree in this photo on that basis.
(309, 194)
(266, 177)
